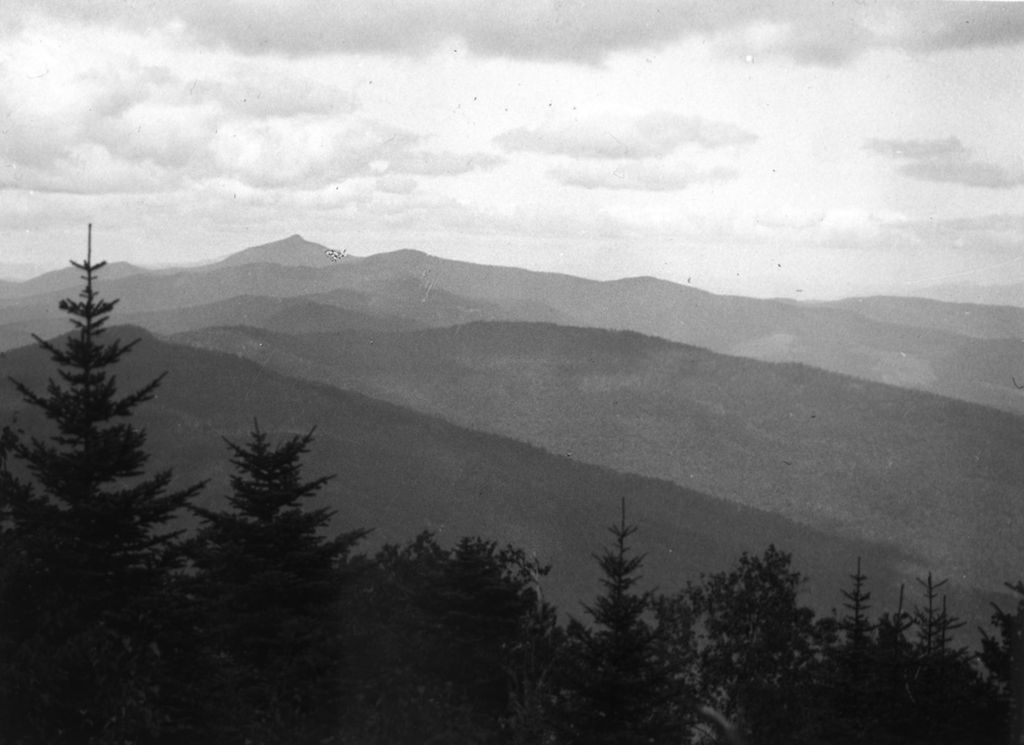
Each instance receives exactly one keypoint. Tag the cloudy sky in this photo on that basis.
(797, 149)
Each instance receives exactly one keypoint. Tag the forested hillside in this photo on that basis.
(937, 477)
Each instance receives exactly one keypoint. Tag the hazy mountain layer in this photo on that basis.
(401, 472)
(967, 352)
(939, 476)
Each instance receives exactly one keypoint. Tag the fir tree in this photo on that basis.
(619, 687)
(853, 685)
(87, 552)
(273, 584)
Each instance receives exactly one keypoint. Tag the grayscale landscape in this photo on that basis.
(734, 295)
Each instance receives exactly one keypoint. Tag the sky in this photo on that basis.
(793, 149)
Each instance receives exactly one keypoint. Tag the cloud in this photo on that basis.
(653, 135)
(998, 233)
(89, 169)
(966, 25)
(807, 31)
(637, 176)
(396, 184)
(946, 161)
(256, 91)
(87, 115)
(445, 163)
(917, 149)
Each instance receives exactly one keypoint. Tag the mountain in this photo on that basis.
(971, 353)
(974, 321)
(287, 314)
(12, 272)
(401, 472)
(965, 352)
(291, 251)
(62, 279)
(1009, 294)
(152, 297)
(939, 476)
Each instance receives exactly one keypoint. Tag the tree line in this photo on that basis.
(265, 625)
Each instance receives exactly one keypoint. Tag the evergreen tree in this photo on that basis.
(853, 686)
(87, 553)
(893, 665)
(618, 685)
(272, 586)
(952, 703)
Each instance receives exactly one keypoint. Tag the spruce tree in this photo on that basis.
(619, 687)
(272, 584)
(87, 551)
(853, 684)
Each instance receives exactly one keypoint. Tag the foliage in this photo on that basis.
(272, 585)
(88, 554)
(456, 643)
(618, 684)
(759, 649)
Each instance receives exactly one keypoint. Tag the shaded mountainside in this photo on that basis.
(939, 476)
(401, 472)
(288, 315)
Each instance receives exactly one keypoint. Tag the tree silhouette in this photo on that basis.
(87, 550)
(759, 648)
(273, 585)
(619, 685)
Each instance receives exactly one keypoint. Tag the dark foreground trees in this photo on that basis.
(87, 555)
(271, 590)
(618, 684)
(453, 645)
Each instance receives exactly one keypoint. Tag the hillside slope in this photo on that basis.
(400, 472)
(879, 462)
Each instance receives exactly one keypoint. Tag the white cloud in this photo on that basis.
(396, 184)
(947, 161)
(808, 31)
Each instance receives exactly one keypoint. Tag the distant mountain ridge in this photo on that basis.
(1008, 294)
(966, 352)
(61, 279)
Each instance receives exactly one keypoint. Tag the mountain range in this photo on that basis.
(494, 400)
(969, 352)
(400, 472)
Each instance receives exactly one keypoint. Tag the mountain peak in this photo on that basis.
(291, 251)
